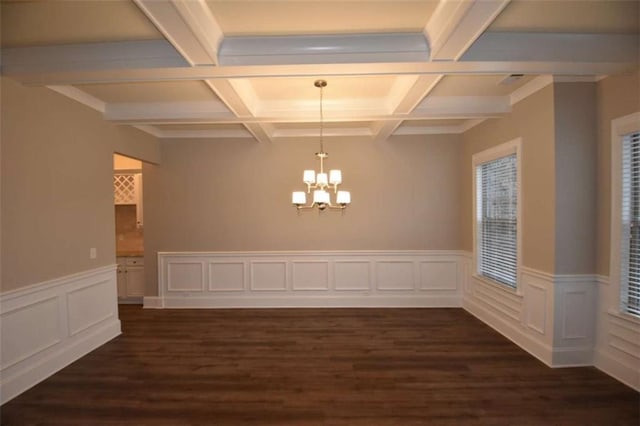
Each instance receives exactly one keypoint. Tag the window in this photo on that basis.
(496, 181)
(630, 210)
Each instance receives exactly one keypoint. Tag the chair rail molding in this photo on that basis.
(48, 325)
(273, 279)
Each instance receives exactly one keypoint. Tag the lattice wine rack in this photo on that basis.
(124, 189)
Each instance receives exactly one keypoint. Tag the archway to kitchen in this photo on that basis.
(129, 227)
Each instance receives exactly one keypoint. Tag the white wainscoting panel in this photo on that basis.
(185, 276)
(535, 304)
(395, 275)
(310, 275)
(46, 326)
(618, 345)
(269, 275)
(438, 275)
(575, 313)
(308, 279)
(226, 276)
(352, 275)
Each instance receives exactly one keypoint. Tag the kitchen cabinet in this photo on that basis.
(127, 189)
(130, 278)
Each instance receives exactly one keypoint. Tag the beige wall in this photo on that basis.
(120, 162)
(575, 156)
(532, 119)
(57, 194)
(617, 96)
(236, 195)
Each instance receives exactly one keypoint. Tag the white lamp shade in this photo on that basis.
(309, 176)
(322, 179)
(320, 196)
(299, 197)
(343, 197)
(335, 177)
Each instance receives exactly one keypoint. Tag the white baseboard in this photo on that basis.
(511, 331)
(617, 369)
(49, 325)
(304, 302)
(308, 279)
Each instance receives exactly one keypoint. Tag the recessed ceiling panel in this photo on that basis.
(326, 125)
(239, 18)
(433, 123)
(610, 16)
(27, 23)
(170, 91)
(337, 88)
(201, 126)
(477, 85)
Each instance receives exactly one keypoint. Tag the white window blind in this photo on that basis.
(497, 215)
(630, 250)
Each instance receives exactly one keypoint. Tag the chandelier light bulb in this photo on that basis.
(309, 177)
(299, 198)
(321, 179)
(335, 177)
(343, 197)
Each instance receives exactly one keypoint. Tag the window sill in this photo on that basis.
(498, 286)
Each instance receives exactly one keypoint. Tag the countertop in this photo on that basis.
(129, 253)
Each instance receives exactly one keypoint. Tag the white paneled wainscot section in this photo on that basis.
(553, 317)
(51, 324)
(618, 344)
(308, 279)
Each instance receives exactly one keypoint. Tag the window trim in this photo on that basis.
(620, 127)
(507, 148)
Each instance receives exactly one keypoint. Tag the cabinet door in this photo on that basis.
(122, 281)
(135, 281)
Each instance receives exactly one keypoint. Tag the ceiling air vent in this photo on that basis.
(510, 79)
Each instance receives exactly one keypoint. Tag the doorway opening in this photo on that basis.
(129, 216)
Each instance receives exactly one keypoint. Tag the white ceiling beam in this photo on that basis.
(456, 24)
(427, 130)
(323, 49)
(235, 102)
(469, 105)
(325, 70)
(215, 112)
(421, 88)
(386, 129)
(204, 134)
(328, 133)
(423, 85)
(147, 113)
(188, 25)
(195, 33)
(92, 56)
(258, 130)
(510, 46)
(80, 96)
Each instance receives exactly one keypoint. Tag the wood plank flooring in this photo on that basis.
(317, 367)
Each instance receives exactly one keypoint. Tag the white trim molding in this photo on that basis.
(552, 316)
(400, 278)
(47, 326)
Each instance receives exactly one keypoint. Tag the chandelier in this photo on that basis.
(321, 183)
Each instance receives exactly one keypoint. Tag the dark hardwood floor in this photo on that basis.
(314, 367)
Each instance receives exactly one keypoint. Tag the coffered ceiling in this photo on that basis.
(245, 69)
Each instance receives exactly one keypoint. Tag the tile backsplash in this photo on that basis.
(129, 238)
